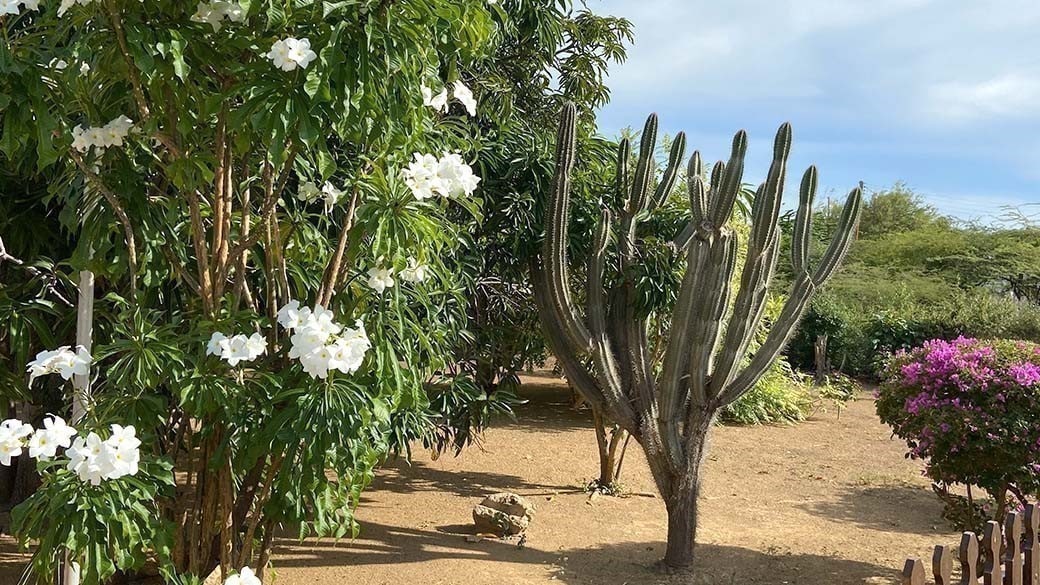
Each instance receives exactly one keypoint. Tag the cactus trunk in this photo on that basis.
(707, 364)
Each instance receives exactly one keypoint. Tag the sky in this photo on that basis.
(943, 95)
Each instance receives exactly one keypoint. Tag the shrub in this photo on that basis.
(970, 410)
(864, 333)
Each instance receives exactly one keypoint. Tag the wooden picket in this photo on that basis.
(1005, 555)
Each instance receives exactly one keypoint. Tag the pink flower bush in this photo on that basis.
(970, 410)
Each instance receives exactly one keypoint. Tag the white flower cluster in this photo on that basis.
(62, 361)
(12, 6)
(94, 460)
(459, 91)
(13, 433)
(415, 272)
(237, 348)
(244, 577)
(290, 53)
(215, 11)
(329, 193)
(447, 176)
(91, 458)
(111, 134)
(321, 344)
(380, 279)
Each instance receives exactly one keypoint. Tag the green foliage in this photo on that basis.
(112, 526)
(547, 53)
(915, 275)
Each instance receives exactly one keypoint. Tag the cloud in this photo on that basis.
(1015, 94)
(939, 93)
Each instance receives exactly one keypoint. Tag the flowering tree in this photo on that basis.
(260, 189)
(971, 411)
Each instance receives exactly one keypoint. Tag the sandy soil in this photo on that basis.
(831, 501)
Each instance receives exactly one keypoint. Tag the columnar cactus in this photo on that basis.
(669, 407)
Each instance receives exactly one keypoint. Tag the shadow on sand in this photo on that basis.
(635, 562)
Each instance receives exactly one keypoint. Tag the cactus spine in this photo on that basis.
(706, 363)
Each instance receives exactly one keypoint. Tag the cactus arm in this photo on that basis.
(602, 353)
(697, 191)
(842, 241)
(728, 189)
(555, 245)
(710, 311)
(645, 167)
(759, 265)
(566, 355)
(800, 239)
(671, 173)
(801, 293)
(621, 179)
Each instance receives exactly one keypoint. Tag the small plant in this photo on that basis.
(971, 411)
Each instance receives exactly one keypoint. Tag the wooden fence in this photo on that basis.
(1001, 557)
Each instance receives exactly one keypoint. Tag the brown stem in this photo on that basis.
(258, 513)
(270, 200)
(241, 288)
(121, 215)
(198, 236)
(332, 270)
(137, 88)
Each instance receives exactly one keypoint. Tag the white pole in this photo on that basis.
(84, 338)
(81, 384)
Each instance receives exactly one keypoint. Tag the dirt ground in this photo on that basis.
(831, 502)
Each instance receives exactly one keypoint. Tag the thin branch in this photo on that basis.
(270, 203)
(328, 289)
(117, 208)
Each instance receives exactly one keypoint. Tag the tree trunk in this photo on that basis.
(682, 525)
(680, 492)
(822, 367)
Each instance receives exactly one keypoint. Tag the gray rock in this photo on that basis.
(502, 514)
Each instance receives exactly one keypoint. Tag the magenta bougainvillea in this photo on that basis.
(970, 409)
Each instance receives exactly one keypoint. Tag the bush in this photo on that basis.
(862, 335)
(970, 410)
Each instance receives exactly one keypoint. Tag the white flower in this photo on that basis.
(290, 315)
(31, 4)
(319, 343)
(94, 460)
(206, 13)
(84, 68)
(244, 577)
(348, 352)
(111, 134)
(85, 458)
(380, 279)
(448, 176)
(62, 361)
(290, 53)
(331, 194)
(9, 7)
(465, 96)
(421, 177)
(438, 102)
(12, 439)
(256, 345)
(308, 192)
(44, 443)
(236, 349)
(215, 11)
(218, 343)
(58, 64)
(415, 272)
(123, 437)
